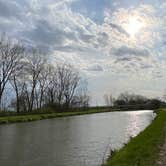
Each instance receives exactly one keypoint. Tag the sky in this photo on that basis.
(117, 45)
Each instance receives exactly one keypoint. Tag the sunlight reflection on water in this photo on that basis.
(76, 141)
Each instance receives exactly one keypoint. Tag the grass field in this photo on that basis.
(143, 149)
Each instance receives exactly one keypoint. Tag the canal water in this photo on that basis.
(70, 141)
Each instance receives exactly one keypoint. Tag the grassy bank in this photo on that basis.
(40, 116)
(143, 149)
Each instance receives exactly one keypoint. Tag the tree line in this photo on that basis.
(130, 100)
(35, 82)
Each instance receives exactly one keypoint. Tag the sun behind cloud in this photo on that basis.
(134, 26)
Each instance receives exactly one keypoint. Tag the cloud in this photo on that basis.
(95, 67)
(90, 42)
(54, 27)
(124, 50)
(46, 34)
(120, 29)
(9, 9)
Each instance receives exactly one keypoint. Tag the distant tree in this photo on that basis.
(81, 98)
(125, 97)
(164, 95)
(119, 102)
(154, 103)
(109, 100)
(130, 99)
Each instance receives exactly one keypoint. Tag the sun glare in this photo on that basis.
(134, 26)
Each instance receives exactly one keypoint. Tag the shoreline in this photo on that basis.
(50, 115)
(40, 116)
(142, 150)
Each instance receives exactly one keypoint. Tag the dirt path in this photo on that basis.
(162, 156)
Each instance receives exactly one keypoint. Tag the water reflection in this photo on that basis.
(76, 141)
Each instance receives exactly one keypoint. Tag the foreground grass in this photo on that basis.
(143, 149)
(34, 117)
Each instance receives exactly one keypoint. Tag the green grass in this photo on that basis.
(142, 150)
(34, 117)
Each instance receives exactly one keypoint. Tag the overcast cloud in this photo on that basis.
(95, 37)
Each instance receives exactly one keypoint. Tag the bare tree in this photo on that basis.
(35, 82)
(68, 80)
(17, 81)
(127, 98)
(35, 62)
(62, 84)
(51, 89)
(164, 95)
(109, 100)
(44, 82)
(10, 55)
(65, 88)
(81, 98)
